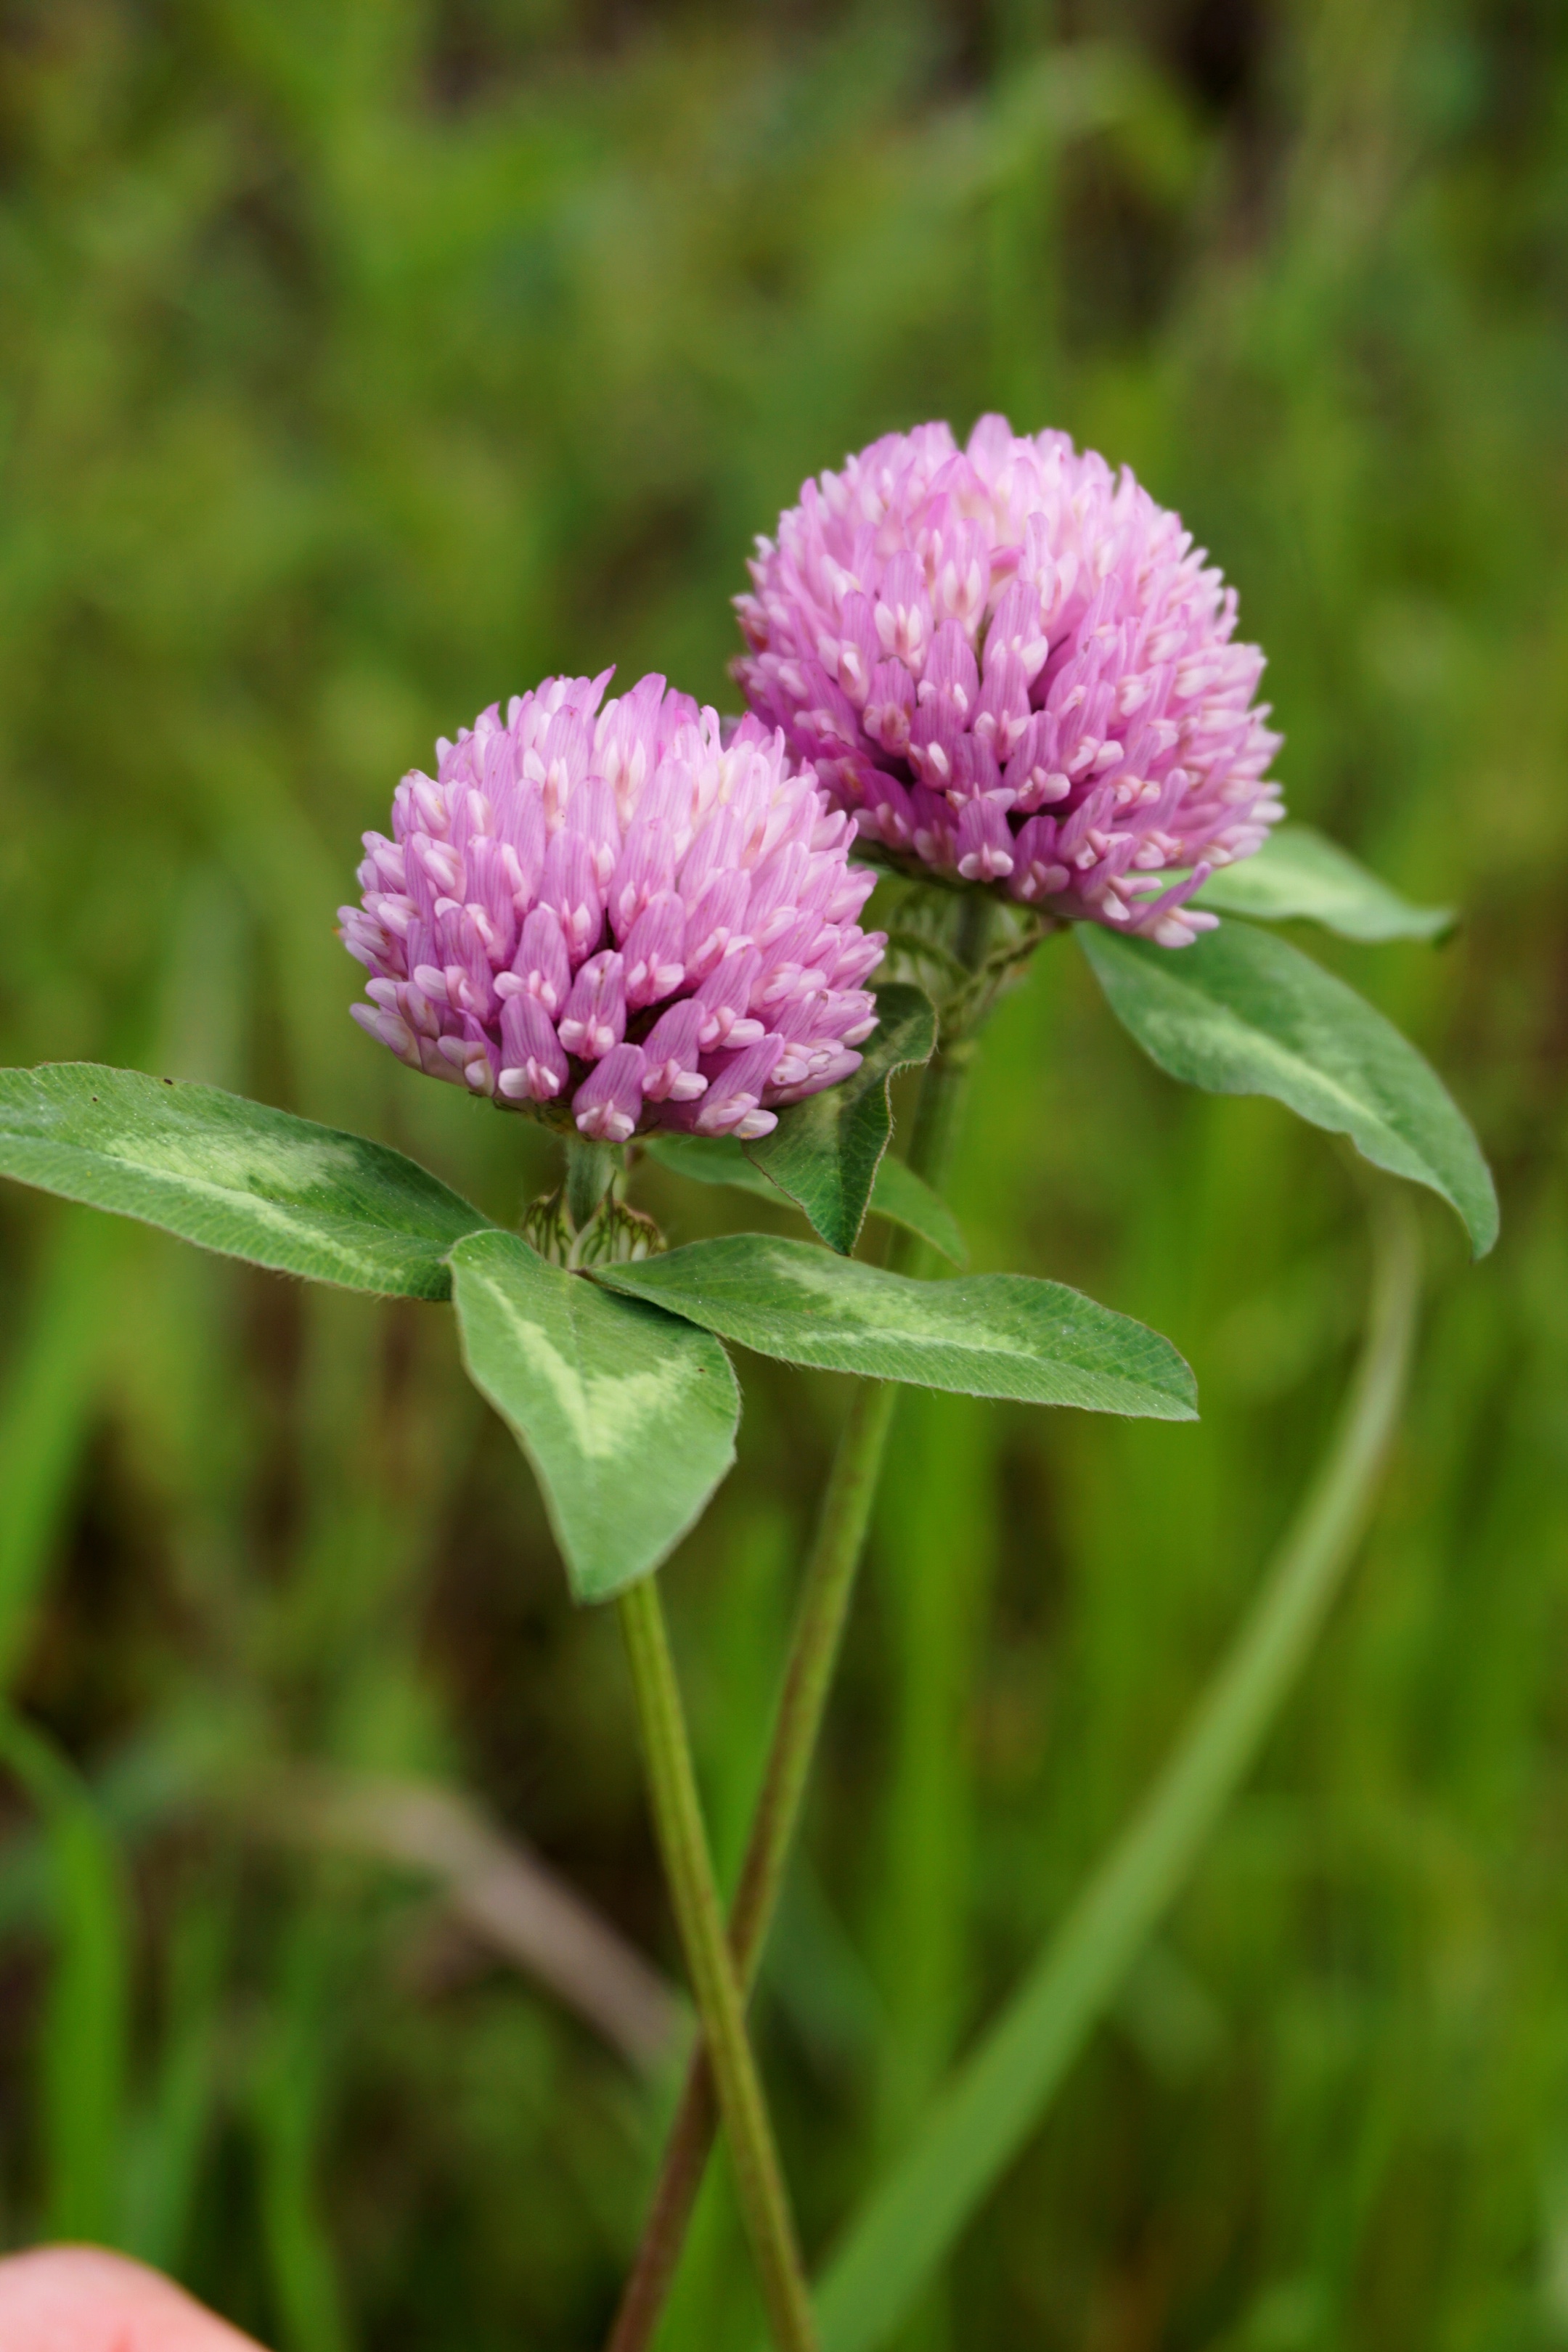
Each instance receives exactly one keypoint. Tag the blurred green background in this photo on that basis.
(359, 361)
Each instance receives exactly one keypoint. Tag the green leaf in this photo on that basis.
(996, 1335)
(1243, 1012)
(898, 1195)
(825, 1151)
(709, 1159)
(233, 1175)
(1300, 872)
(627, 1414)
(906, 1199)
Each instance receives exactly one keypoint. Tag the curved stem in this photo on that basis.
(995, 2100)
(826, 1591)
(688, 1868)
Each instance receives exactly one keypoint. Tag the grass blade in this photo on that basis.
(167, 2153)
(294, 2090)
(83, 2052)
(998, 2096)
(48, 1397)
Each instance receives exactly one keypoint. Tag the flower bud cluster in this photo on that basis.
(616, 917)
(1011, 665)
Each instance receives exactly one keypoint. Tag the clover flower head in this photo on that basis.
(1009, 665)
(623, 918)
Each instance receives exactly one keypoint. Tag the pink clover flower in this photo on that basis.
(1009, 665)
(619, 918)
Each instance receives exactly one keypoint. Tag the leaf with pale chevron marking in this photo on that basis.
(1242, 1013)
(626, 1413)
(996, 1335)
(233, 1175)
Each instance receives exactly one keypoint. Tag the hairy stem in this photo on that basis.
(688, 1868)
(825, 1592)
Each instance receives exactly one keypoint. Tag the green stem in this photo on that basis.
(677, 1816)
(590, 1171)
(825, 1592)
(933, 1138)
(995, 2100)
